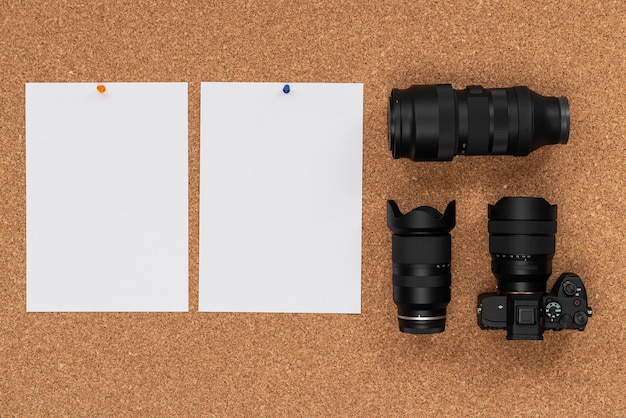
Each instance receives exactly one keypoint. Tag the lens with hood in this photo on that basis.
(421, 254)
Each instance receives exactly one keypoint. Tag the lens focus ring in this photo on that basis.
(421, 250)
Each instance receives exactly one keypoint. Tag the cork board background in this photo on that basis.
(193, 364)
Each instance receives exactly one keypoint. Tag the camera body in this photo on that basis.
(526, 315)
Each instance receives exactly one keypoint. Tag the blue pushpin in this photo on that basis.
(286, 88)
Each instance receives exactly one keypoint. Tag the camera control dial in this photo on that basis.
(569, 288)
(580, 318)
(553, 310)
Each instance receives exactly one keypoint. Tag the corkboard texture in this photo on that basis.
(205, 364)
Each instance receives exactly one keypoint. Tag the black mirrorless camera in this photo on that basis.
(522, 244)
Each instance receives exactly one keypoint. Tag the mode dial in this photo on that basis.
(553, 310)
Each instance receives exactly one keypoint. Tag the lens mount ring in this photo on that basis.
(422, 318)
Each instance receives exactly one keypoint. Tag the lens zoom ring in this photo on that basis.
(436, 280)
(421, 249)
(500, 121)
(521, 244)
(522, 227)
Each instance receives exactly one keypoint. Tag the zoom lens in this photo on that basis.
(435, 122)
(421, 253)
(522, 243)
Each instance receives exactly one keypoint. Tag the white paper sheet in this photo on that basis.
(106, 183)
(280, 197)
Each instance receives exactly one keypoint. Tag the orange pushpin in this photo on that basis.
(101, 89)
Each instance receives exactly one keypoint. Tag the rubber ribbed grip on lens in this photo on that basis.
(422, 298)
(521, 244)
(447, 122)
(443, 279)
(500, 121)
(525, 114)
(511, 99)
(421, 249)
(522, 227)
(478, 130)
(426, 124)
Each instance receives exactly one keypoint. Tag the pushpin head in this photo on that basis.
(286, 89)
(101, 89)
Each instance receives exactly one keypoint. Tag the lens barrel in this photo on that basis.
(421, 254)
(436, 122)
(522, 243)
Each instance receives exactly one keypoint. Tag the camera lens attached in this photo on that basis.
(522, 244)
(421, 254)
(436, 122)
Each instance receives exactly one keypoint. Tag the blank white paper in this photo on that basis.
(106, 197)
(280, 197)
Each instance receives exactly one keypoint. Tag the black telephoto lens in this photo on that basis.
(436, 122)
(522, 243)
(421, 253)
